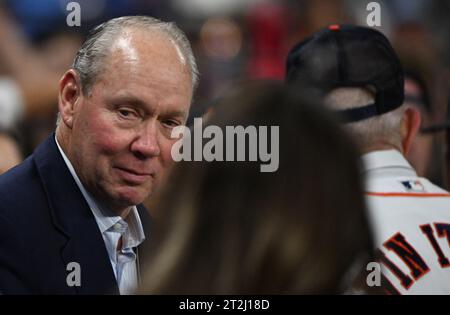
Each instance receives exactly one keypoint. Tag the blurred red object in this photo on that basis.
(267, 41)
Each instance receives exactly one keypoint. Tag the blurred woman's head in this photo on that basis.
(228, 228)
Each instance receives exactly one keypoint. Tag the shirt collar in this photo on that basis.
(387, 160)
(103, 217)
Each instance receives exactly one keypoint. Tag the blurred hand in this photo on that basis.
(9, 153)
(23, 64)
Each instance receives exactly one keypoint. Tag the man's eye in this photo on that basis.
(127, 113)
(171, 123)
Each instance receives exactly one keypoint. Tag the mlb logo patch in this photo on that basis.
(413, 185)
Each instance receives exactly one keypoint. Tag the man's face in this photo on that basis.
(120, 141)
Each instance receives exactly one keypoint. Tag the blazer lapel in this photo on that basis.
(72, 217)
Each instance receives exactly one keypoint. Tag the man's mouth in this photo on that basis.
(134, 176)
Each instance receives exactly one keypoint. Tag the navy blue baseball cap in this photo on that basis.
(349, 56)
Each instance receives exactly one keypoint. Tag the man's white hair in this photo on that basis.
(384, 130)
(90, 57)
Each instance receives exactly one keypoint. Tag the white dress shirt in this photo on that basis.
(124, 261)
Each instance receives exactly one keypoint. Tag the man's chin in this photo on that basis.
(130, 196)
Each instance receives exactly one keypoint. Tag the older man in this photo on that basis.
(358, 72)
(70, 215)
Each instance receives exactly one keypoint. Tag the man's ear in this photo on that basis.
(410, 127)
(69, 95)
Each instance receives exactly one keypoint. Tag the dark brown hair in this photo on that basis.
(227, 228)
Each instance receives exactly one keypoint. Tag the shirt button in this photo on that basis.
(117, 226)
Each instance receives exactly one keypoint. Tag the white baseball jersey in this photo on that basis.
(411, 221)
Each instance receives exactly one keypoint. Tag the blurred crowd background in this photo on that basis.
(233, 40)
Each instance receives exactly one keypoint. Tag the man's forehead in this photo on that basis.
(124, 47)
(136, 42)
(149, 54)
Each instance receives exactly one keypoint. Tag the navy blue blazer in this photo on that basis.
(45, 223)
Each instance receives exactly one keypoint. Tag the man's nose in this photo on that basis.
(146, 144)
